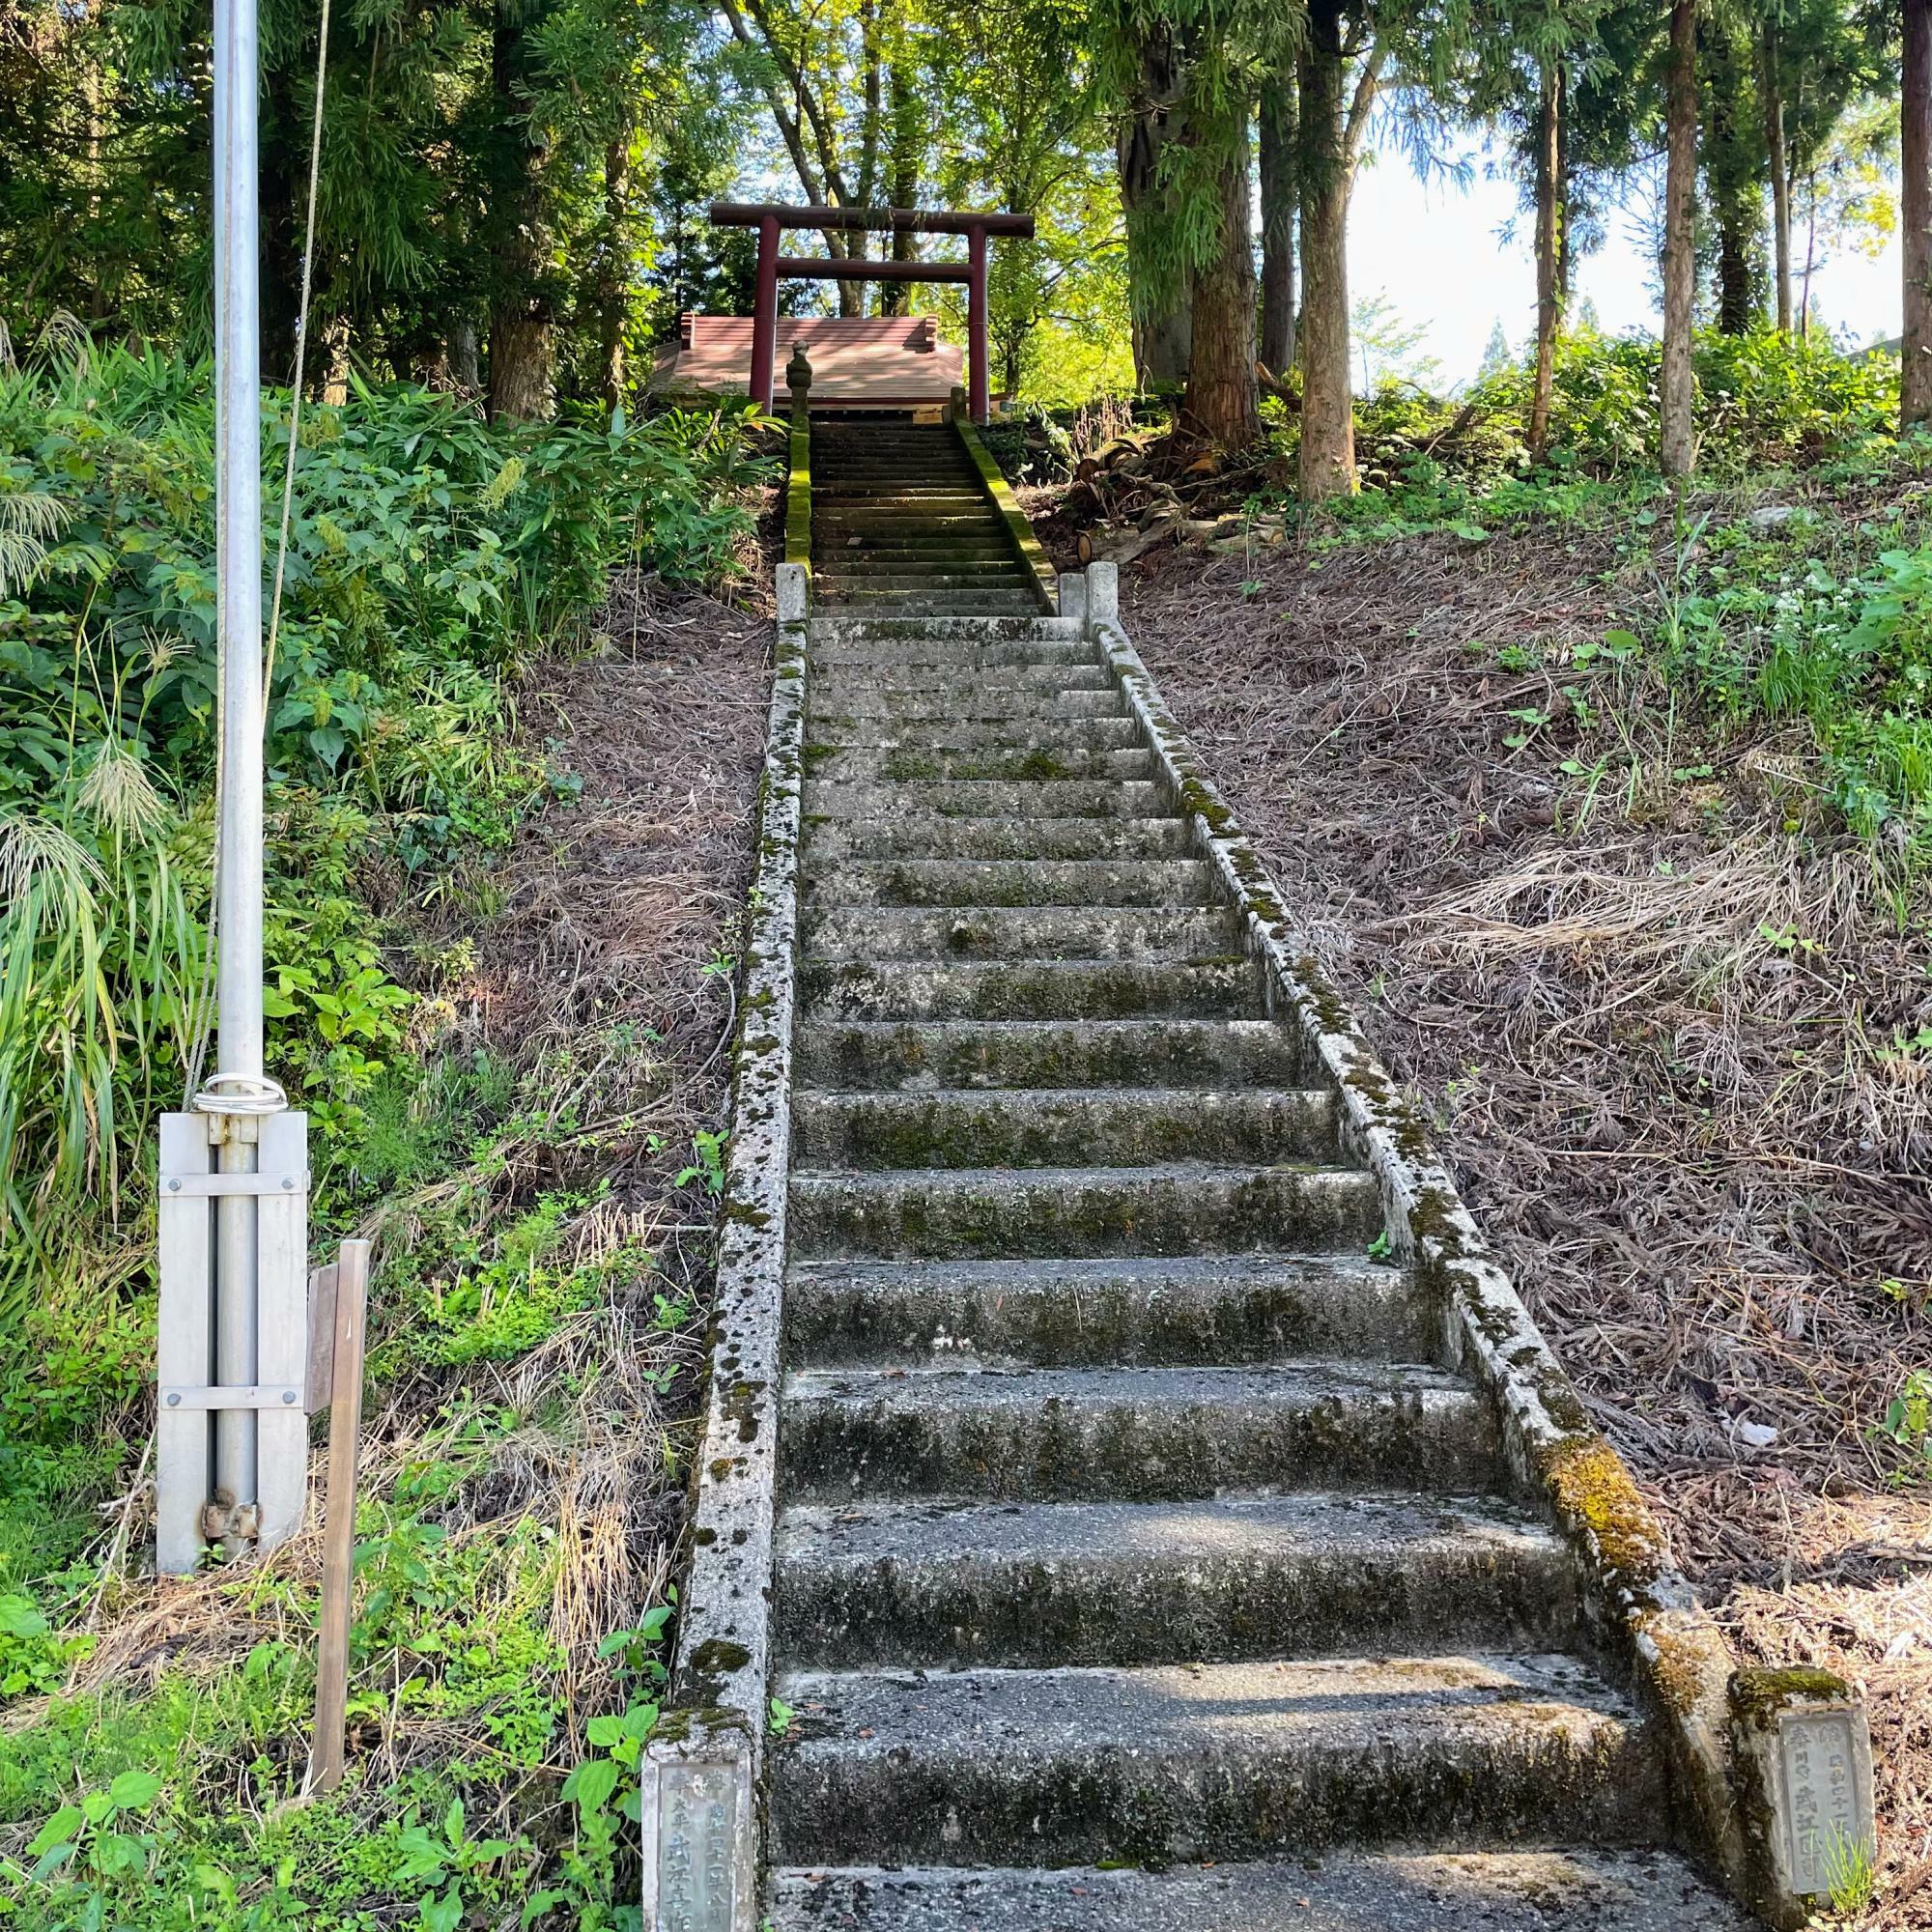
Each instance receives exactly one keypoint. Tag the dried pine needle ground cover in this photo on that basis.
(541, 1190)
(1671, 1020)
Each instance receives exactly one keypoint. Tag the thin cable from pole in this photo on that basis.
(205, 1003)
(302, 357)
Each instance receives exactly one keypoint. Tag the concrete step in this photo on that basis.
(1101, 1127)
(1177, 1207)
(849, 802)
(949, 641)
(931, 834)
(916, 1058)
(1012, 882)
(887, 933)
(896, 674)
(1222, 1761)
(1125, 1312)
(861, 764)
(852, 702)
(1150, 1435)
(1563, 1890)
(1039, 731)
(869, 493)
(1224, 986)
(837, 579)
(832, 521)
(1014, 602)
(861, 559)
(911, 551)
(1046, 1585)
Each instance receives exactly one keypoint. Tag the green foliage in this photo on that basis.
(1761, 402)
(1908, 1426)
(429, 554)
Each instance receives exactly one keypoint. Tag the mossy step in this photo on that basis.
(934, 836)
(1225, 988)
(1170, 1763)
(833, 635)
(864, 493)
(956, 685)
(855, 519)
(1029, 933)
(1570, 1890)
(917, 602)
(1013, 598)
(1177, 1207)
(855, 700)
(1037, 730)
(901, 551)
(1105, 1311)
(886, 1056)
(1097, 1126)
(898, 549)
(1168, 1434)
(903, 764)
(843, 801)
(836, 577)
(1044, 1585)
(1012, 882)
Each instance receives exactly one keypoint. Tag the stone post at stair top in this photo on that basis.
(1073, 598)
(1802, 1766)
(797, 376)
(794, 590)
(1103, 596)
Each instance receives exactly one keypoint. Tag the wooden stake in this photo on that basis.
(338, 1554)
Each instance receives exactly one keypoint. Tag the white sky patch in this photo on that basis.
(1435, 248)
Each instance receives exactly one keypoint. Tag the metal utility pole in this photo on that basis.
(232, 1442)
(238, 510)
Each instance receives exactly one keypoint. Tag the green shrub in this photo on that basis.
(429, 553)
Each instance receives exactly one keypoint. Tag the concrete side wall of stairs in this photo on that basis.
(1144, 1496)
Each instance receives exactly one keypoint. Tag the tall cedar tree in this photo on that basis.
(1915, 392)
(1675, 448)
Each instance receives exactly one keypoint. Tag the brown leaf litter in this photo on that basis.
(1658, 1032)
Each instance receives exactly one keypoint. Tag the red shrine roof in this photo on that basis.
(888, 361)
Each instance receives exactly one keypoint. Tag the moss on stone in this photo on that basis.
(1757, 1693)
(1590, 1484)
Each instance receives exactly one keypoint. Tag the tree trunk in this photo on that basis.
(1675, 446)
(1811, 257)
(1277, 157)
(1550, 224)
(1223, 402)
(1327, 465)
(1163, 322)
(520, 347)
(281, 226)
(1734, 177)
(1915, 392)
(1565, 260)
(614, 273)
(464, 371)
(1773, 96)
(907, 131)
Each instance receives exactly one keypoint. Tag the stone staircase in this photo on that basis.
(1138, 1565)
(902, 524)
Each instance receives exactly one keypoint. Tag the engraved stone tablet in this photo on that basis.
(1826, 1786)
(696, 1864)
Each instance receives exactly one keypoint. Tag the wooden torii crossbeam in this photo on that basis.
(770, 218)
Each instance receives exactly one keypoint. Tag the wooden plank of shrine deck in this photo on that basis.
(869, 374)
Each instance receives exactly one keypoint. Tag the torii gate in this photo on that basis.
(768, 218)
